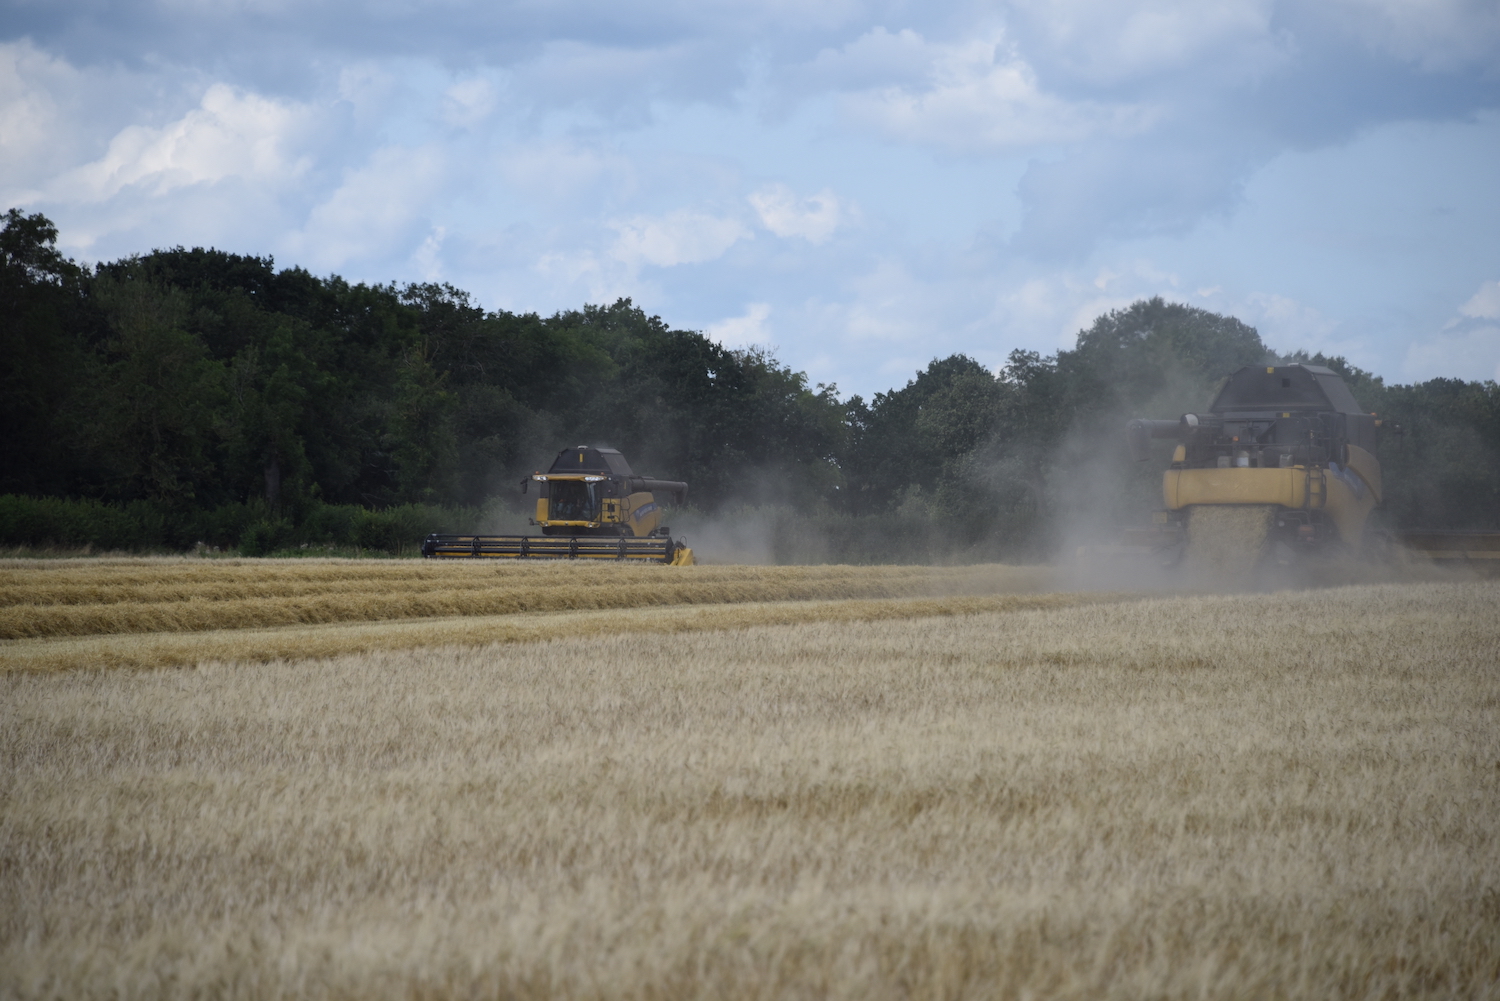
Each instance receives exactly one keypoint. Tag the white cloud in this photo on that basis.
(428, 259)
(875, 59)
(567, 267)
(619, 81)
(891, 304)
(1140, 273)
(468, 102)
(368, 87)
(229, 135)
(557, 170)
(1467, 346)
(1485, 304)
(376, 212)
(981, 96)
(1056, 307)
(1105, 41)
(28, 111)
(681, 237)
(743, 331)
(1047, 312)
(783, 213)
(1467, 353)
(55, 116)
(1286, 324)
(571, 276)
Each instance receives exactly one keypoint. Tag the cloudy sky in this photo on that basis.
(862, 186)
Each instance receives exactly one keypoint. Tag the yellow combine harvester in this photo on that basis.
(1284, 461)
(590, 505)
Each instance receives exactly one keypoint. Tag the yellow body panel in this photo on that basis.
(1347, 495)
(1286, 487)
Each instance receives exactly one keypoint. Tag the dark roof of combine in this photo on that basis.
(587, 459)
(1261, 388)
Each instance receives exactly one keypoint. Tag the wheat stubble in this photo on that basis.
(81, 598)
(1290, 795)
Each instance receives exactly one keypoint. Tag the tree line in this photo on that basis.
(227, 402)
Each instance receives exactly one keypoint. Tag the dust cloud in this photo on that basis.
(745, 536)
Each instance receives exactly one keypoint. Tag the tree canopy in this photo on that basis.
(193, 379)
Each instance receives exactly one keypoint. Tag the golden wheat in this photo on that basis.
(285, 643)
(146, 572)
(80, 601)
(1293, 795)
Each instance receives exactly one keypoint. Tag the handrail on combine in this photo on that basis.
(662, 549)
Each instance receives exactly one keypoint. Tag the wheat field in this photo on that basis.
(138, 596)
(136, 613)
(1053, 796)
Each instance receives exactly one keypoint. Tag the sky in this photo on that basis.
(859, 186)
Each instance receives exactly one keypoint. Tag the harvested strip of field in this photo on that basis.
(183, 597)
(149, 571)
(1292, 795)
(81, 588)
(293, 643)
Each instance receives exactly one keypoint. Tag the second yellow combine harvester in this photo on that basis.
(1284, 460)
(590, 505)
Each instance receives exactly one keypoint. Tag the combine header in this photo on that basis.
(1477, 549)
(590, 505)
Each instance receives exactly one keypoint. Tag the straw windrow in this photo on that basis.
(151, 650)
(162, 613)
(179, 599)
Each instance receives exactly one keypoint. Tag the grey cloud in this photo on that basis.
(1272, 60)
(1121, 189)
(1336, 87)
(619, 83)
(1094, 45)
(1437, 35)
(552, 87)
(1325, 86)
(291, 45)
(879, 57)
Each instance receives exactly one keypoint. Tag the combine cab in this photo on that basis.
(590, 505)
(1283, 461)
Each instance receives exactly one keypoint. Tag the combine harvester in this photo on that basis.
(1282, 466)
(590, 505)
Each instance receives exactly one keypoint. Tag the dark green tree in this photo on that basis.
(41, 356)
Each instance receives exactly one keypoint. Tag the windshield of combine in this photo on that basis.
(572, 500)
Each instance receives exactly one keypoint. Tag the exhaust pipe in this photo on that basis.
(1139, 432)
